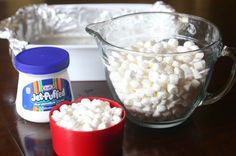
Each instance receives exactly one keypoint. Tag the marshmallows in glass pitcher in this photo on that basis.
(160, 81)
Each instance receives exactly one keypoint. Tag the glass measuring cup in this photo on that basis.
(146, 103)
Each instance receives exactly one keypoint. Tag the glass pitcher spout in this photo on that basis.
(94, 29)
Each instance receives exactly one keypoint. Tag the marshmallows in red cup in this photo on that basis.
(90, 126)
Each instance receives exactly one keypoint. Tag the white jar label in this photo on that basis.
(42, 95)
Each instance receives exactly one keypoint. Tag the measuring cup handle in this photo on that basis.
(213, 97)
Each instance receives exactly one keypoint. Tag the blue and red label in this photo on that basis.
(42, 95)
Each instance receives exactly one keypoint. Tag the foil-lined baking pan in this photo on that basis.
(64, 26)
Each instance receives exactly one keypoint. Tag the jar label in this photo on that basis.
(44, 94)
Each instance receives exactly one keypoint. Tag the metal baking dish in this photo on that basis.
(63, 26)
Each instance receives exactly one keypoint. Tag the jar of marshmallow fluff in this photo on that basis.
(43, 82)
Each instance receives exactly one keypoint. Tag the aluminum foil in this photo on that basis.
(36, 21)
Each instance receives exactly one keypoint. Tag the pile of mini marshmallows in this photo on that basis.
(158, 87)
(87, 115)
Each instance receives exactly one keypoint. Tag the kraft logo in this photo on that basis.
(47, 87)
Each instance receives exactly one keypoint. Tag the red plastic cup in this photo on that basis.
(105, 142)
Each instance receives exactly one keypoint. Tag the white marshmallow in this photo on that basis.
(187, 58)
(63, 107)
(188, 44)
(173, 79)
(146, 109)
(168, 59)
(153, 76)
(151, 86)
(199, 65)
(175, 64)
(134, 84)
(156, 87)
(164, 78)
(87, 115)
(172, 43)
(194, 47)
(198, 56)
(181, 49)
(115, 119)
(179, 72)
(162, 94)
(114, 76)
(187, 71)
(196, 73)
(160, 108)
(159, 59)
(116, 54)
(87, 127)
(130, 57)
(157, 48)
(172, 89)
(155, 100)
(187, 86)
(146, 83)
(195, 83)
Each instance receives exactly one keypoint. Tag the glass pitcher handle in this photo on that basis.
(213, 97)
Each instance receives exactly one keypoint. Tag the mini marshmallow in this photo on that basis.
(114, 63)
(173, 79)
(86, 115)
(168, 60)
(117, 112)
(137, 104)
(187, 58)
(63, 107)
(181, 49)
(196, 73)
(148, 44)
(115, 119)
(198, 56)
(160, 108)
(195, 83)
(161, 86)
(164, 44)
(149, 92)
(156, 113)
(146, 83)
(87, 127)
(187, 71)
(130, 57)
(188, 44)
(114, 76)
(172, 89)
(199, 65)
(153, 76)
(162, 94)
(146, 109)
(164, 78)
(172, 43)
(166, 114)
(156, 87)
(116, 54)
(159, 59)
(145, 101)
(194, 47)
(175, 64)
(187, 86)
(178, 72)
(155, 100)
(157, 48)
(134, 84)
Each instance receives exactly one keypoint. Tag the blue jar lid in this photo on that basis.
(42, 60)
